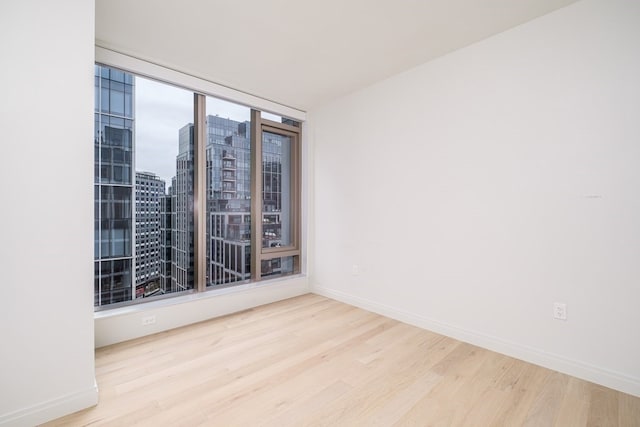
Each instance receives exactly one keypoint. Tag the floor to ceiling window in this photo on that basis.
(191, 192)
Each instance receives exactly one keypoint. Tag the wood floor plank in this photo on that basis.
(294, 416)
(314, 361)
(628, 411)
(574, 409)
(401, 371)
(603, 408)
(524, 386)
(546, 406)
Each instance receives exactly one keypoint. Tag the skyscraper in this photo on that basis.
(113, 187)
(135, 227)
(182, 205)
(228, 154)
(150, 195)
(166, 213)
(144, 235)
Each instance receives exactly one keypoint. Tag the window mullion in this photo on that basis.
(256, 195)
(199, 193)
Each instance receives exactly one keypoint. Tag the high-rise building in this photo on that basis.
(228, 154)
(182, 206)
(130, 209)
(150, 196)
(113, 186)
(166, 213)
(276, 194)
(162, 260)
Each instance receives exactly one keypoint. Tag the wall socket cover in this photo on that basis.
(560, 311)
(148, 320)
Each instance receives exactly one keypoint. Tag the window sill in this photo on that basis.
(130, 322)
(193, 296)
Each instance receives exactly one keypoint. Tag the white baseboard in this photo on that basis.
(605, 377)
(51, 409)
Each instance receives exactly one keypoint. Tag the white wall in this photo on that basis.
(476, 190)
(46, 220)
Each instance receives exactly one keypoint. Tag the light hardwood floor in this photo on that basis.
(314, 361)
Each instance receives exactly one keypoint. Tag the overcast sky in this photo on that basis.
(160, 111)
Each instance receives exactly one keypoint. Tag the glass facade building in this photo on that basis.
(182, 204)
(113, 186)
(228, 174)
(144, 231)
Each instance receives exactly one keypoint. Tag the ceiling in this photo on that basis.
(302, 53)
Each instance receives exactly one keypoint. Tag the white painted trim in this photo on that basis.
(124, 324)
(536, 356)
(146, 306)
(148, 69)
(51, 409)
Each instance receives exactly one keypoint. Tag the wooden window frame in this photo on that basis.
(258, 253)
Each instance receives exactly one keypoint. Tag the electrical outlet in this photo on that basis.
(355, 269)
(560, 311)
(148, 320)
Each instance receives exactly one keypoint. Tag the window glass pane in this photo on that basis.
(96, 283)
(276, 190)
(228, 155)
(147, 176)
(96, 238)
(279, 119)
(278, 266)
(114, 284)
(96, 95)
(144, 190)
(104, 99)
(117, 101)
(128, 104)
(117, 75)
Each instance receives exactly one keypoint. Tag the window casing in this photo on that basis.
(216, 223)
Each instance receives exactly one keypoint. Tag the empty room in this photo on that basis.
(337, 213)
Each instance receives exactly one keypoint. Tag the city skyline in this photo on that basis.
(144, 216)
